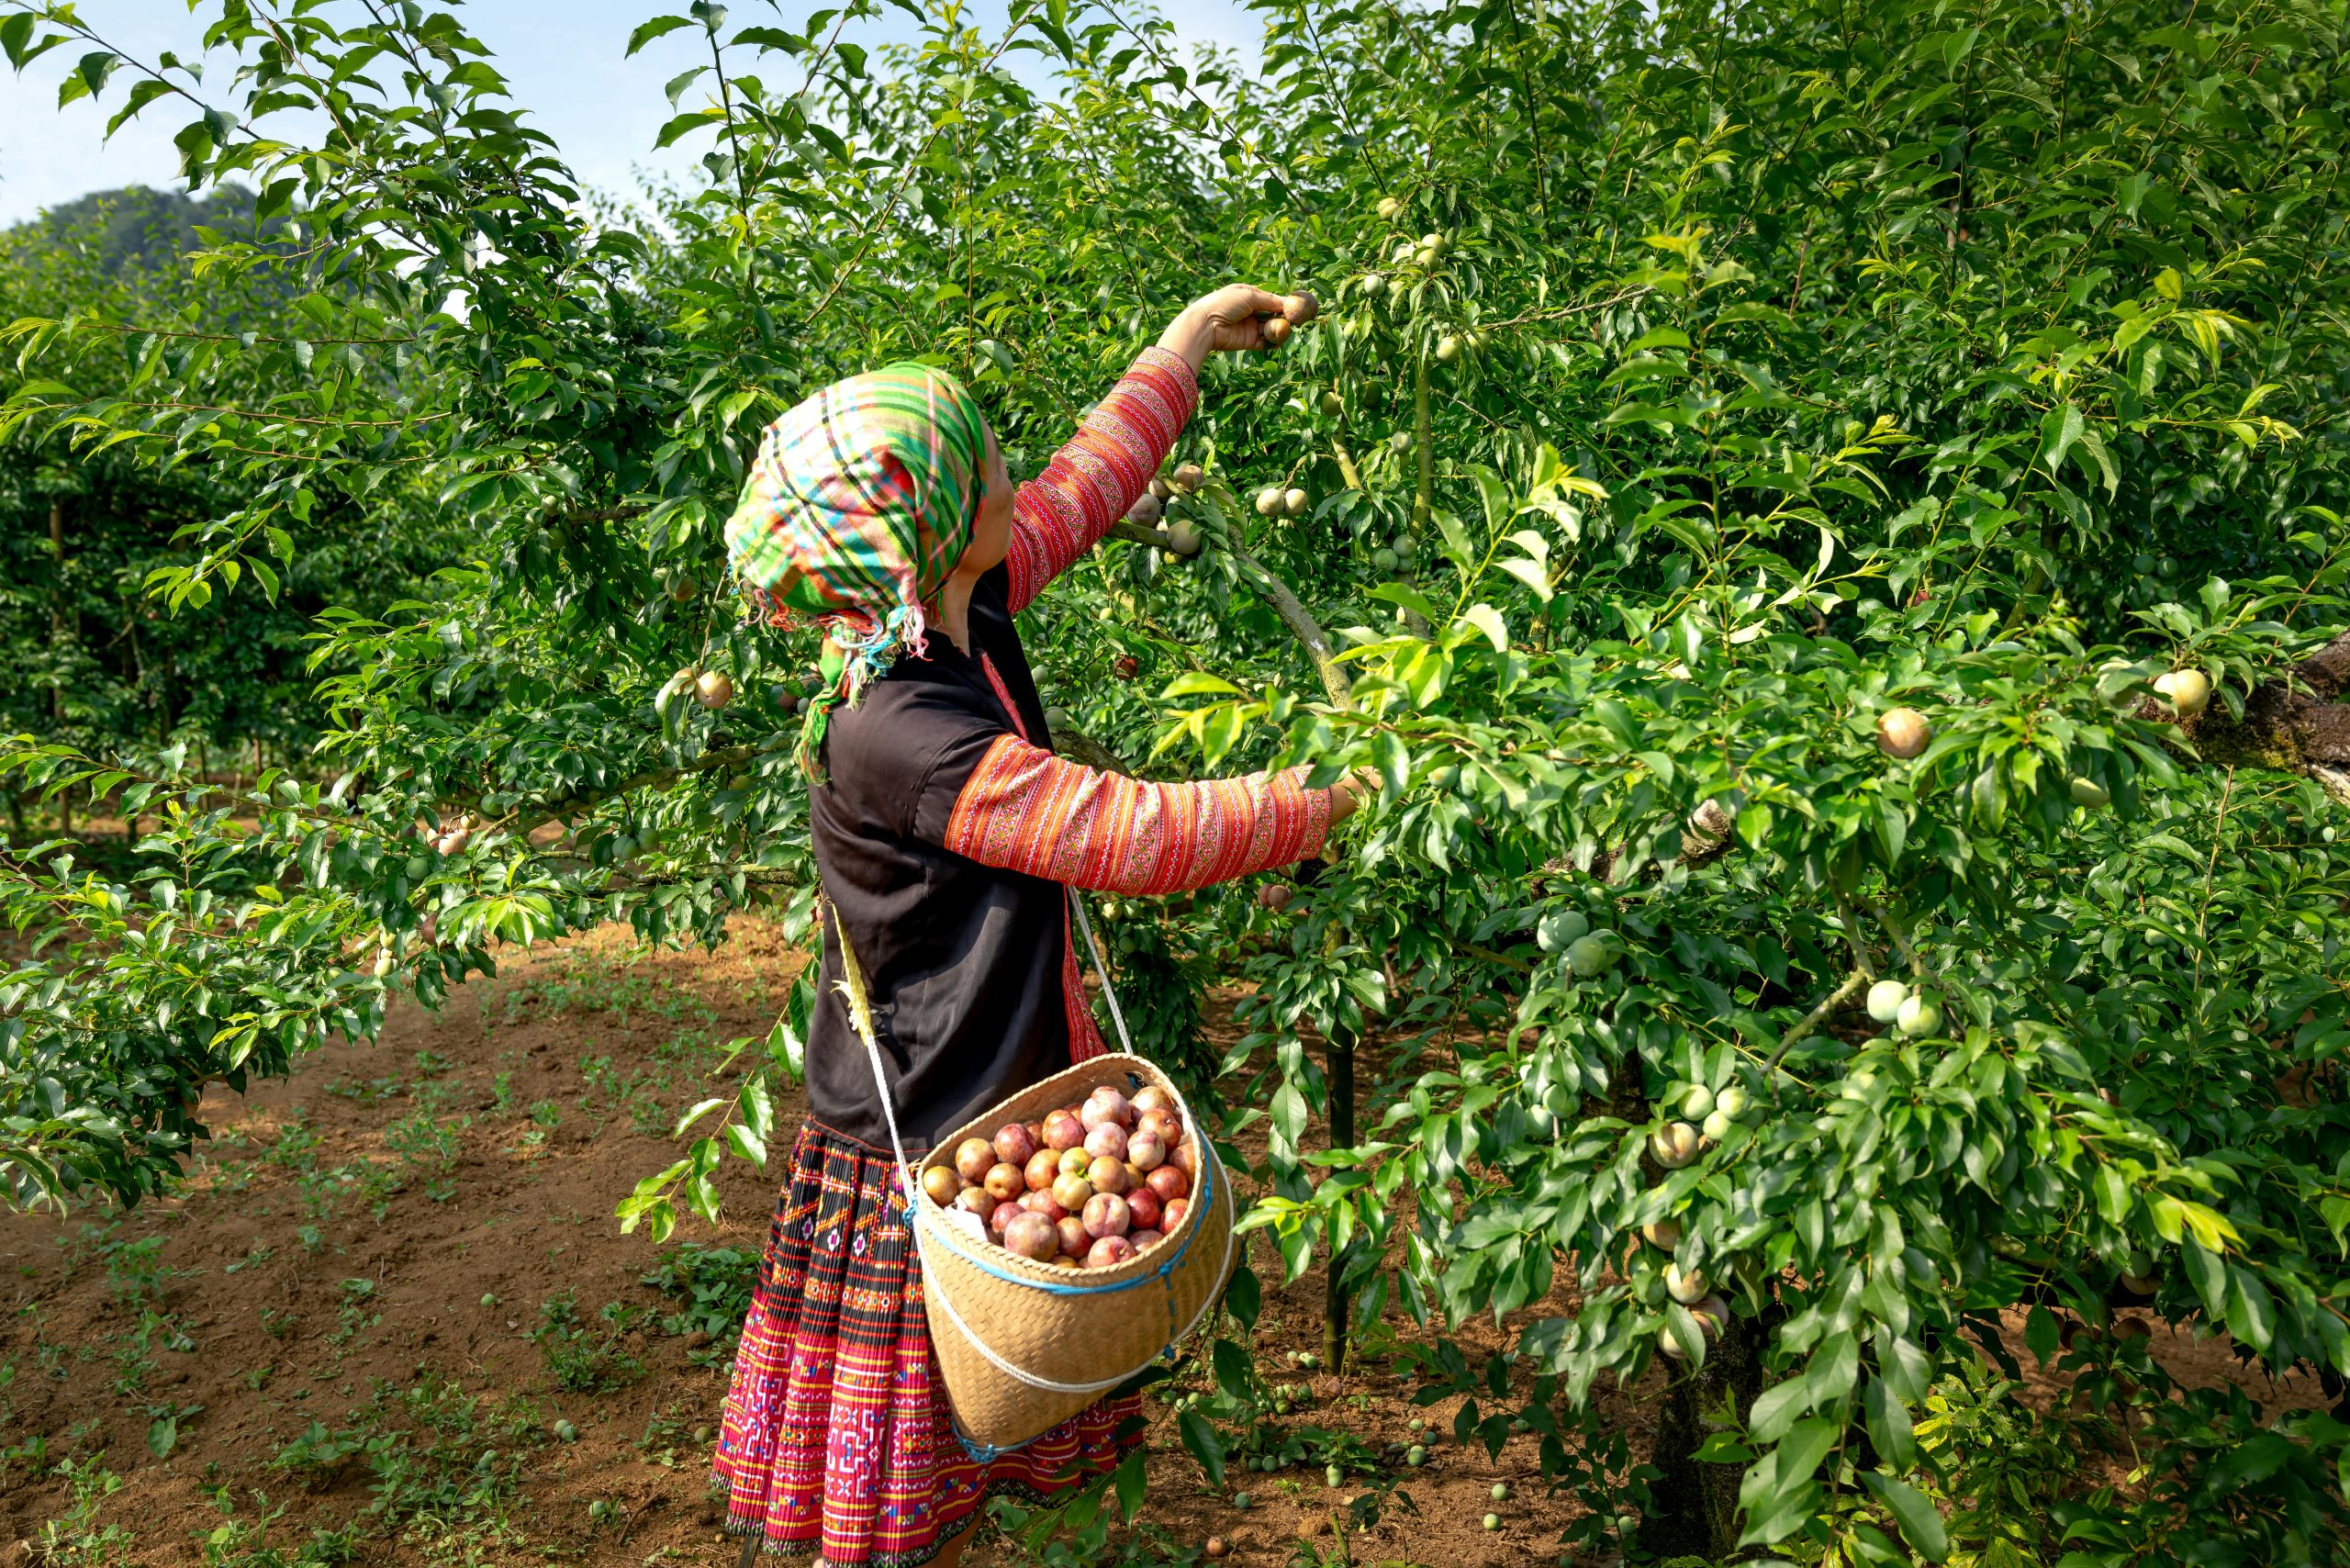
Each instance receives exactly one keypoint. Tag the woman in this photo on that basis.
(945, 832)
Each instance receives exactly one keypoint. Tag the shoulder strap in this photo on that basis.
(1109, 992)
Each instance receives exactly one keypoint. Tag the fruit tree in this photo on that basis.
(1826, 518)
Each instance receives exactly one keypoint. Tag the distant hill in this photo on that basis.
(140, 227)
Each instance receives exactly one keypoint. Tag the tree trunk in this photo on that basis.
(1337, 1304)
(57, 628)
(1694, 1506)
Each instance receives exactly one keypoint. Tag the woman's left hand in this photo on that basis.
(1230, 320)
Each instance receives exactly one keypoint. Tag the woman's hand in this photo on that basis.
(1347, 793)
(1230, 320)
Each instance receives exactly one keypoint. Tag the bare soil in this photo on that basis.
(392, 1281)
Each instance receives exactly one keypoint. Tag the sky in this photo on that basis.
(563, 61)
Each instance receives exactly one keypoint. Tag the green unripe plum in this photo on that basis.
(1404, 547)
(1241, 1500)
(1400, 442)
(1185, 538)
(1373, 286)
(1732, 1102)
(1716, 1125)
(1435, 243)
(1919, 1016)
(1334, 1475)
(1415, 1456)
(1501, 1492)
(565, 1432)
(1886, 998)
(1296, 502)
(1448, 349)
(1697, 1103)
(1592, 955)
(1561, 931)
(1391, 207)
(1493, 1521)
(2090, 793)
(1269, 501)
(1332, 404)
(1384, 560)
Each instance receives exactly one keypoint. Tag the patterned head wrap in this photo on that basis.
(859, 506)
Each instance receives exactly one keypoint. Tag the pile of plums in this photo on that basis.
(1088, 1187)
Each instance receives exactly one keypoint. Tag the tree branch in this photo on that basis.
(1811, 1021)
(1301, 623)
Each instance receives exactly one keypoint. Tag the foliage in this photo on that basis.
(712, 1285)
(1769, 367)
(97, 663)
(585, 1358)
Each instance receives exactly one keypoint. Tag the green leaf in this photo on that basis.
(1888, 1424)
(1198, 683)
(2059, 429)
(645, 32)
(1922, 1527)
(1201, 1440)
(1484, 617)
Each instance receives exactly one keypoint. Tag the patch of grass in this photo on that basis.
(74, 1539)
(134, 1351)
(584, 1357)
(137, 1276)
(244, 1543)
(619, 987)
(545, 1116)
(429, 1145)
(712, 1286)
(353, 1316)
(318, 1453)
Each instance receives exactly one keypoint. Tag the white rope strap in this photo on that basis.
(1109, 991)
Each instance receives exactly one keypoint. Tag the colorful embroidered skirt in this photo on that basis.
(837, 1438)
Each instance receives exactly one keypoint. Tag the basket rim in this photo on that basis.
(1078, 1282)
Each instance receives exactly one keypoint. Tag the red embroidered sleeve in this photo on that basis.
(1090, 483)
(1025, 810)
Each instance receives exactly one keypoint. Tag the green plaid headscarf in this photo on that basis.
(858, 507)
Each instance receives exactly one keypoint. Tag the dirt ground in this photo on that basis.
(391, 1318)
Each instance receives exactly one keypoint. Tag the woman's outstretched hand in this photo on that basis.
(1231, 320)
(1348, 793)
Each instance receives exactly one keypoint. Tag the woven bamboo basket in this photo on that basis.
(1023, 1345)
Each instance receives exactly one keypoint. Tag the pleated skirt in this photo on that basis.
(836, 1439)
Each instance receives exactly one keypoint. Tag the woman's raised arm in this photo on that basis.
(1090, 483)
(1025, 810)
(1064, 512)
